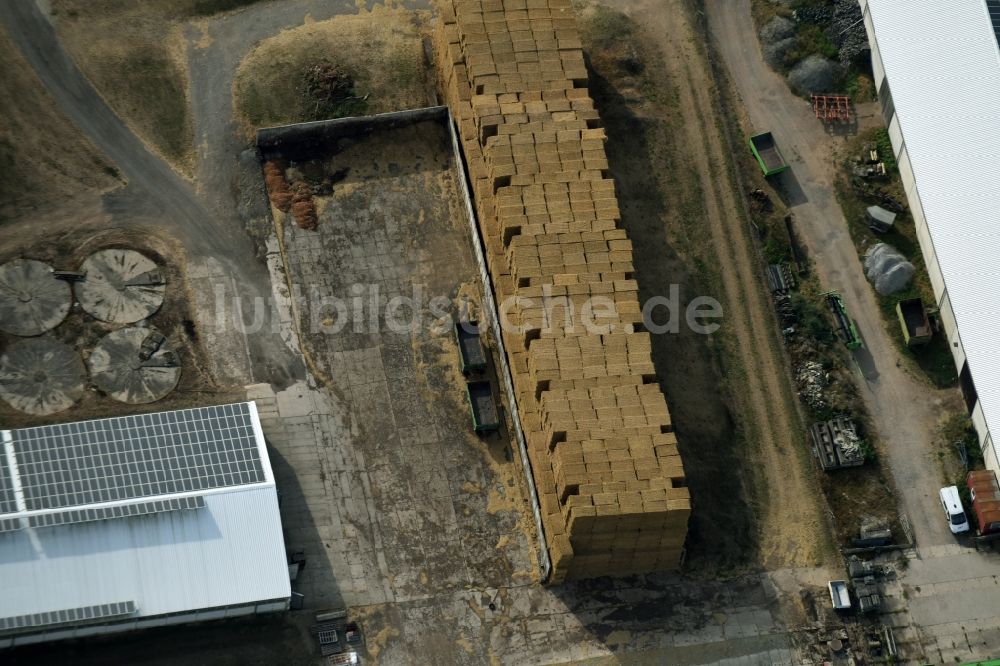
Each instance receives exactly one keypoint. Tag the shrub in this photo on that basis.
(861, 89)
(810, 39)
(885, 151)
(330, 91)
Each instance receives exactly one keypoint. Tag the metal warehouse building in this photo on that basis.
(137, 521)
(937, 70)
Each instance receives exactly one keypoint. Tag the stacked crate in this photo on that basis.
(600, 440)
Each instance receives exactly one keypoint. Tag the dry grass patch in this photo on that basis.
(134, 54)
(44, 159)
(381, 51)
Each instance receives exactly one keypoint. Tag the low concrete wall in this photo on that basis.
(286, 138)
(503, 372)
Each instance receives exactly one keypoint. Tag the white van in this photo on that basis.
(952, 505)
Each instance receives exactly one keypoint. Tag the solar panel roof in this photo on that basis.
(7, 502)
(116, 511)
(68, 616)
(129, 457)
(993, 7)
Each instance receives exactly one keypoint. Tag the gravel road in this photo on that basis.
(906, 409)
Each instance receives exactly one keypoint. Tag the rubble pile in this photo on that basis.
(811, 379)
(814, 74)
(777, 38)
(847, 31)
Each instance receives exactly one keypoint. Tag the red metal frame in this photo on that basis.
(830, 108)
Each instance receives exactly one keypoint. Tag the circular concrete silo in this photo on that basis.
(135, 365)
(32, 300)
(41, 376)
(121, 287)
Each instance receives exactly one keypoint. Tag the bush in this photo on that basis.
(325, 82)
(958, 429)
(811, 39)
(330, 91)
(861, 89)
(868, 451)
(776, 248)
(812, 320)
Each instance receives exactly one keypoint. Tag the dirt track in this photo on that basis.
(791, 529)
(156, 195)
(906, 410)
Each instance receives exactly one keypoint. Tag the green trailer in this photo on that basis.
(471, 355)
(846, 329)
(768, 156)
(914, 322)
(485, 416)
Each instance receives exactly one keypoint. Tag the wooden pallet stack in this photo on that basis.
(603, 453)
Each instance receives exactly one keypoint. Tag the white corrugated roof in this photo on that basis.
(230, 552)
(943, 66)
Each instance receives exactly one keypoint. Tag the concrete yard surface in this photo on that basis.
(397, 493)
(943, 605)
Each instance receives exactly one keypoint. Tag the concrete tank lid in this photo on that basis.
(32, 300)
(41, 376)
(117, 368)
